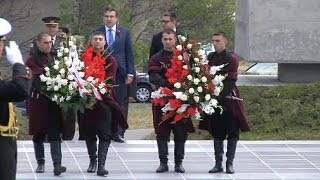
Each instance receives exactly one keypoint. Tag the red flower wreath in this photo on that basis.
(95, 66)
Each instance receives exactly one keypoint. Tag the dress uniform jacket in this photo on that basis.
(91, 117)
(157, 66)
(235, 107)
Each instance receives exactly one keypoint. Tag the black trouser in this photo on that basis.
(8, 158)
(102, 130)
(225, 126)
(53, 131)
(69, 124)
(180, 137)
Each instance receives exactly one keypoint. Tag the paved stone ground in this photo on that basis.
(137, 159)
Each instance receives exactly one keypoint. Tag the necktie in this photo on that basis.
(111, 40)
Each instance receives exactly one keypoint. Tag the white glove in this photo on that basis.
(13, 53)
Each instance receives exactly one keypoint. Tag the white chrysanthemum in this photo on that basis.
(68, 98)
(56, 67)
(70, 43)
(196, 59)
(68, 63)
(56, 62)
(180, 57)
(197, 69)
(177, 85)
(58, 77)
(199, 89)
(65, 50)
(189, 77)
(62, 71)
(196, 99)
(189, 46)
(185, 66)
(70, 87)
(191, 90)
(64, 82)
(204, 79)
(56, 88)
(70, 77)
(47, 69)
(179, 47)
(207, 97)
(196, 81)
(47, 73)
(65, 58)
(59, 54)
(43, 78)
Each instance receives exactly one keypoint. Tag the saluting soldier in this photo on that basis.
(15, 89)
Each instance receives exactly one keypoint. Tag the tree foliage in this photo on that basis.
(202, 18)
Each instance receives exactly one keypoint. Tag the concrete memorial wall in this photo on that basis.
(281, 31)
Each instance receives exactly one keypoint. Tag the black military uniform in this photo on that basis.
(16, 89)
(157, 71)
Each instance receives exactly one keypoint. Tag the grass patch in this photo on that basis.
(23, 125)
(140, 116)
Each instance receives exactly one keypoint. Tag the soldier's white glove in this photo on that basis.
(13, 53)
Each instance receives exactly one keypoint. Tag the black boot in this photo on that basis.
(163, 156)
(56, 156)
(39, 153)
(178, 156)
(218, 153)
(231, 151)
(92, 151)
(102, 155)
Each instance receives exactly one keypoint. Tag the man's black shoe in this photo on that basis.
(179, 168)
(162, 168)
(118, 139)
(40, 168)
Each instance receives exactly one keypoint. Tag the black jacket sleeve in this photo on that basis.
(18, 89)
(228, 86)
(158, 80)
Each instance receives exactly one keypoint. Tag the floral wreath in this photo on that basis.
(195, 85)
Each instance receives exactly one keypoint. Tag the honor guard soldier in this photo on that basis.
(16, 88)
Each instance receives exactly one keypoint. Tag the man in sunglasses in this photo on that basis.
(12, 89)
(168, 22)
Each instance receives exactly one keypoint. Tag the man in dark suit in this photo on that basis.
(168, 22)
(120, 46)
